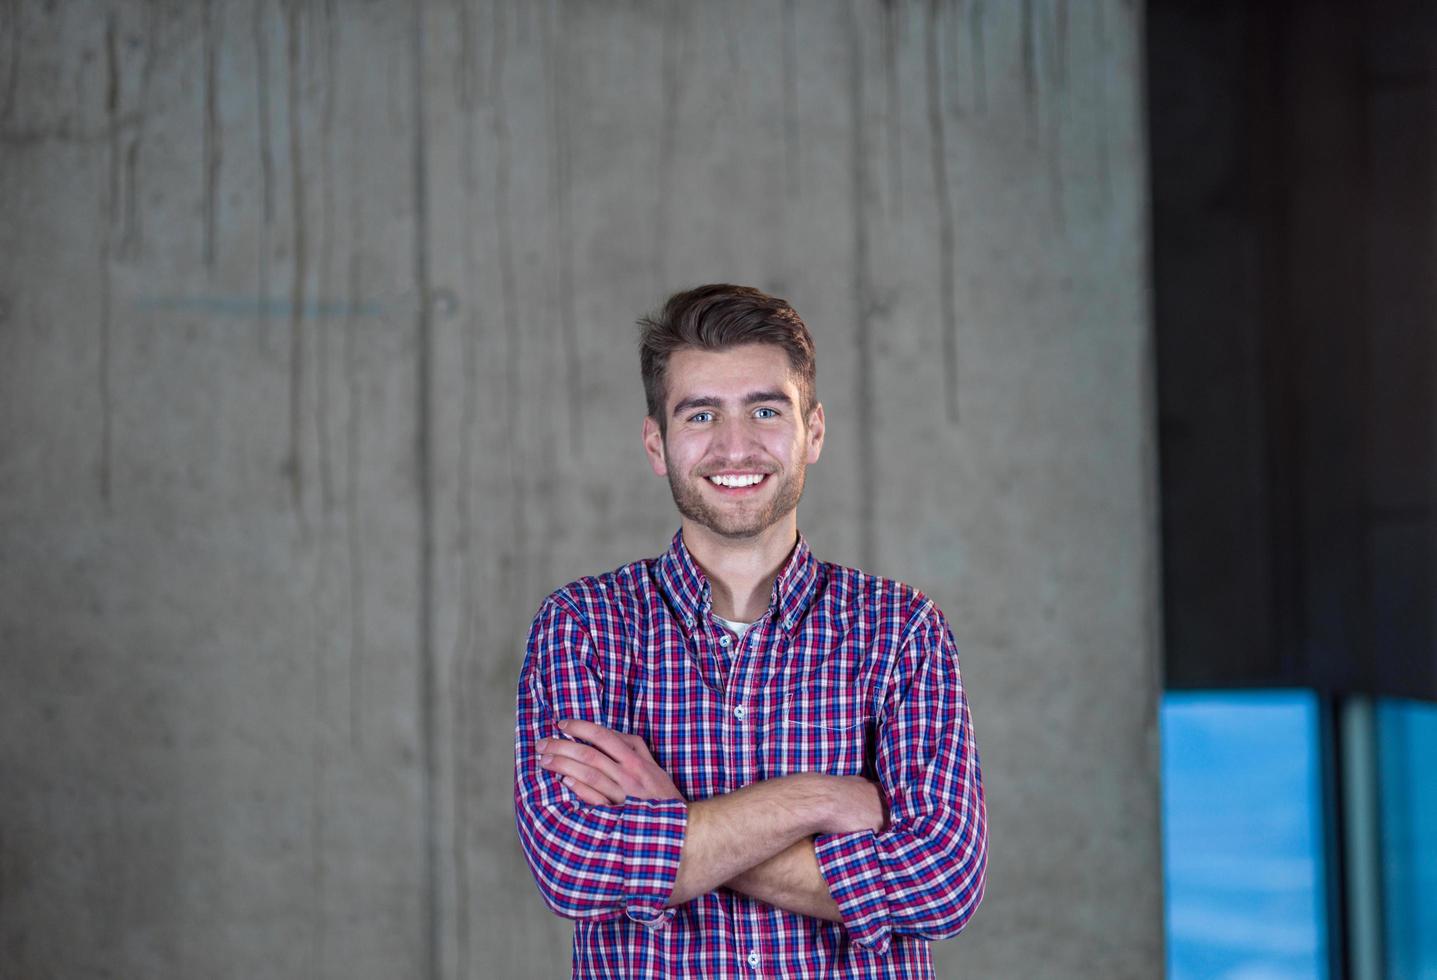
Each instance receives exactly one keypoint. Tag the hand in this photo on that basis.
(857, 805)
(611, 768)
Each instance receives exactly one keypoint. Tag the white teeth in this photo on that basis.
(747, 480)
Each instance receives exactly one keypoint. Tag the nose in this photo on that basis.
(734, 439)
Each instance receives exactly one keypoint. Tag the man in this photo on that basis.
(734, 759)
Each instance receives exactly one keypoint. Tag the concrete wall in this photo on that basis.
(317, 373)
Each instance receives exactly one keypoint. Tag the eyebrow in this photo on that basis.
(713, 401)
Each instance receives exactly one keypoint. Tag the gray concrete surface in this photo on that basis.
(317, 373)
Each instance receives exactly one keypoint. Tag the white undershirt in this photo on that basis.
(738, 629)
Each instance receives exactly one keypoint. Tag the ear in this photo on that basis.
(815, 433)
(654, 447)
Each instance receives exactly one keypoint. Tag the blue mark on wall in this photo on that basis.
(1407, 773)
(1242, 836)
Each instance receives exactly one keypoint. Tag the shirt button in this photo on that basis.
(723, 640)
(741, 713)
(688, 621)
(788, 622)
(753, 958)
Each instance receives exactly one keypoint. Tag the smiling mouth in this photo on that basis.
(737, 481)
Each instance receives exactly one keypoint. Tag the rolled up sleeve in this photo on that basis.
(588, 861)
(925, 874)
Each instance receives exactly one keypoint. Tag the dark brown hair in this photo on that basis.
(717, 317)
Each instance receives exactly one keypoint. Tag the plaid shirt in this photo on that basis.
(845, 674)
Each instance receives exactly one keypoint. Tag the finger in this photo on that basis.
(586, 792)
(605, 789)
(586, 754)
(585, 774)
(597, 735)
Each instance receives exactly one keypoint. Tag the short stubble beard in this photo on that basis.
(692, 505)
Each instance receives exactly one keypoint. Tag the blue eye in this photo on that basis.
(766, 413)
(701, 416)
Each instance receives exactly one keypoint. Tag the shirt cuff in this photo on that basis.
(653, 843)
(849, 864)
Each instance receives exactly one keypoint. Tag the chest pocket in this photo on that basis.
(818, 727)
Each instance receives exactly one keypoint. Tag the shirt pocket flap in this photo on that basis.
(822, 708)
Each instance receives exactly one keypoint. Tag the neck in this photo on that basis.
(741, 572)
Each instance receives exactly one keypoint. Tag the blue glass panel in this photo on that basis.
(1407, 788)
(1242, 836)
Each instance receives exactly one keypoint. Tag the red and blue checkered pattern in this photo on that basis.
(846, 674)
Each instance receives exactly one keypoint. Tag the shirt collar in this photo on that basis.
(687, 587)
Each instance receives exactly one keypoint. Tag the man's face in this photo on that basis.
(737, 445)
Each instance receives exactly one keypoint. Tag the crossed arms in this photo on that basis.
(605, 831)
(755, 840)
